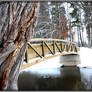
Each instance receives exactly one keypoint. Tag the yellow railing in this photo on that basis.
(41, 47)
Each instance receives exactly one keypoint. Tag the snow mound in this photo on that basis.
(85, 57)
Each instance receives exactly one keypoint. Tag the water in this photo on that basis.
(67, 78)
(53, 76)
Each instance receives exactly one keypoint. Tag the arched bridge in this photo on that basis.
(41, 49)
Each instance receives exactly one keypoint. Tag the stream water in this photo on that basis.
(54, 76)
(67, 78)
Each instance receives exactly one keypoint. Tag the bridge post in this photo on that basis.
(42, 45)
(75, 48)
(26, 55)
(53, 47)
(67, 48)
(61, 46)
(71, 48)
(64, 47)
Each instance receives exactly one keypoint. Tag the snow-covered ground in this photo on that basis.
(85, 57)
(49, 66)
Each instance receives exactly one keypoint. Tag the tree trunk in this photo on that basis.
(78, 36)
(17, 22)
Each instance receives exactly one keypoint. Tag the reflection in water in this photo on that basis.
(56, 78)
(69, 79)
(86, 77)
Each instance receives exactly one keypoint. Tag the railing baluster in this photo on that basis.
(42, 45)
(26, 55)
(64, 47)
(71, 47)
(67, 48)
(57, 47)
(53, 47)
(61, 46)
(75, 48)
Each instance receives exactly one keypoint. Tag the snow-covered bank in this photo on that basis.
(85, 57)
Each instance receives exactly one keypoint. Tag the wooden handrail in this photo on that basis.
(50, 39)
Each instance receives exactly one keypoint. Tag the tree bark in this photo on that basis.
(17, 22)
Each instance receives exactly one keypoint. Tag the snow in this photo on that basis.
(49, 66)
(85, 57)
(49, 63)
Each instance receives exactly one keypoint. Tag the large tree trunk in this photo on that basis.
(17, 22)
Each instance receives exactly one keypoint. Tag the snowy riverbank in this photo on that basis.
(85, 57)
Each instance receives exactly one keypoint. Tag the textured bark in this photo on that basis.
(17, 22)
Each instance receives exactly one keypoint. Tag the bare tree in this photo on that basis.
(17, 22)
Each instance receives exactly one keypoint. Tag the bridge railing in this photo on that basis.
(42, 47)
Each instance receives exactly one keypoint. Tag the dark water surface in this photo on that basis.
(60, 78)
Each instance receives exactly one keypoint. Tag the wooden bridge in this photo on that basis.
(43, 49)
